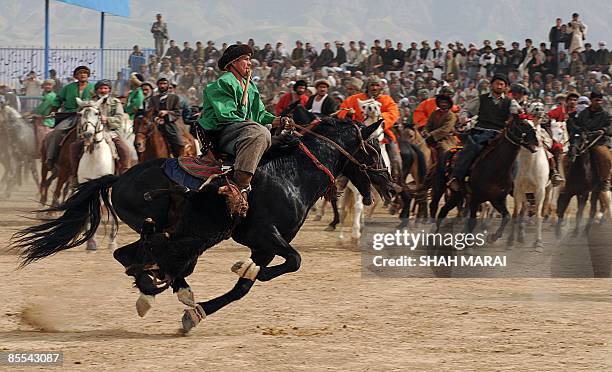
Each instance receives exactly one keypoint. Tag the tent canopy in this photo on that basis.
(116, 7)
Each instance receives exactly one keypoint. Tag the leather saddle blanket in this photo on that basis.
(200, 167)
(191, 172)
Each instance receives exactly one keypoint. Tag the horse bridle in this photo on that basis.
(363, 145)
(95, 125)
(520, 141)
(150, 122)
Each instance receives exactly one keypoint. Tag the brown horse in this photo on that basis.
(150, 143)
(62, 173)
(417, 161)
(580, 182)
(491, 174)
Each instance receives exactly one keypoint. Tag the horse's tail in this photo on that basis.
(78, 223)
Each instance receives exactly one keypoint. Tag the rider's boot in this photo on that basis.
(555, 177)
(50, 164)
(243, 180)
(239, 203)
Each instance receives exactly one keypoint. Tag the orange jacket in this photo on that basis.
(389, 111)
(286, 99)
(425, 109)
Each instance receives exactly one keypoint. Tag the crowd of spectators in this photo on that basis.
(548, 70)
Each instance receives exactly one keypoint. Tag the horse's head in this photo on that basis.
(143, 125)
(89, 127)
(522, 132)
(300, 115)
(371, 110)
(366, 168)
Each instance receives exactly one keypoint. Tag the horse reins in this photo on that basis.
(363, 144)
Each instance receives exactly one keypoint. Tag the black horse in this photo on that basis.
(491, 175)
(176, 227)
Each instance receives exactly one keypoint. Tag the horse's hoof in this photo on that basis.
(330, 228)
(539, 246)
(192, 317)
(91, 245)
(185, 295)
(246, 269)
(144, 304)
(112, 246)
(317, 218)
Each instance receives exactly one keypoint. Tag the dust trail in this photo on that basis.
(41, 317)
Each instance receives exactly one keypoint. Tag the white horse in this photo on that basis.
(531, 177)
(371, 110)
(97, 159)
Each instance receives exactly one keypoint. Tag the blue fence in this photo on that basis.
(15, 63)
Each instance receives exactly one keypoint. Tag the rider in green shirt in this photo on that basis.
(238, 129)
(45, 107)
(66, 98)
(135, 99)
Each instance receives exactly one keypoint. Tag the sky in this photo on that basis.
(21, 22)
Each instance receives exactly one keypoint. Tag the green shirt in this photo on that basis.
(44, 108)
(222, 104)
(69, 94)
(135, 101)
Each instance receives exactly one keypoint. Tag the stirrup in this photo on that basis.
(237, 202)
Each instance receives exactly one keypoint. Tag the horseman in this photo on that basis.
(66, 99)
(42, 123)
(136, 97)
(166, 112)
(238, 128)
(45, 107)
(424, 110)
(519, 102)
(440, 127)
(561, 114)
(389, 112)
(321, 104)
(493, 110)
(299, 93)
(595, 121)
(111, 116)
(147, 91)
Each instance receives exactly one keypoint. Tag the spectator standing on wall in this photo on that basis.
(159, 29)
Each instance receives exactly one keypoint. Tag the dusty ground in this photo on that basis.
(324, 317)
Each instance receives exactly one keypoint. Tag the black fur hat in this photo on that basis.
(232, 53)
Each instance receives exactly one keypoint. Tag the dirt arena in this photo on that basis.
(324, 317)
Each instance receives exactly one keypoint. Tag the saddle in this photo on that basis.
(65, 137)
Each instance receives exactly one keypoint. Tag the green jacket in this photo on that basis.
(222, 104)
(69, 94)
(135, 101)
(44, 108)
